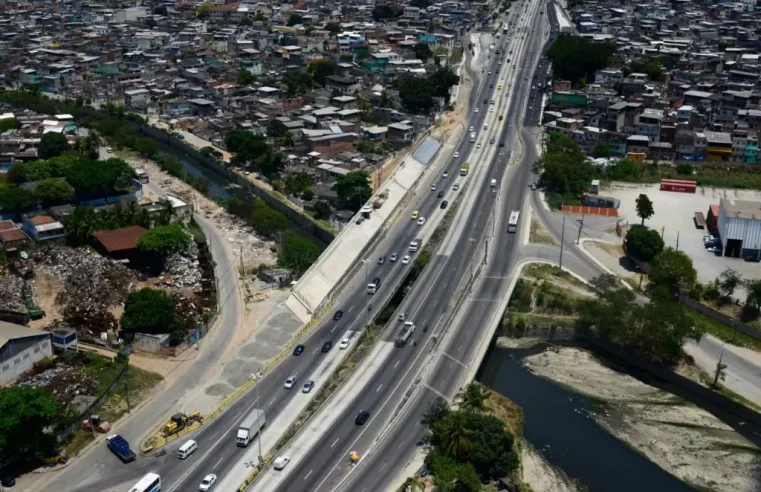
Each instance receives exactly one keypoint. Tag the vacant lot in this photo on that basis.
(674, 218)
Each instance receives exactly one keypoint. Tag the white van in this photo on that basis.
(187, 449)
(493, 183)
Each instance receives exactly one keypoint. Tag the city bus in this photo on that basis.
(149, 483)
(512, 224)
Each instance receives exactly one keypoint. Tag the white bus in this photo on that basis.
(512, 224)
(149, 483)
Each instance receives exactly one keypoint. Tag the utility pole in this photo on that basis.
(486, 252)
(578, 238)
(258, 416)
(677, 240)
(562, 239)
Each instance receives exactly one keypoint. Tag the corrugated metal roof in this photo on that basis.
(426, 150)
(120, 239)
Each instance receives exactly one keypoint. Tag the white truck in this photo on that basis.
(250, 427)
(472, 137)
(406, 332)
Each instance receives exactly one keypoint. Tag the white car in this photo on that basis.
(290, 382)
(472, 129)
(478, 145)
(433, 187)
(421, 221)
(446, 174)
(344, 344)
(281, 462)
(491, 109)
(208, 482)
(475, 110)
(109, 150)
(457, 154)
(456, 186)
(406, 259)
(393, 257)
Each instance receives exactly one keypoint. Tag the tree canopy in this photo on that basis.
(149, 311)
(321, 70)
(602, 149)
(25, 414)
(297, 252)
(655, 331)
(353, 189)
(321, 210)
(673, 270)
(422, 51)
(644, 207)
(164, 240)
(54, 191)
(564, 167)
(100, 178)
(383, 12)
(13, 198)
(643, 244)
(577, 58)
(52, 144)
(295, 19)
(417, 93)
(266, 220)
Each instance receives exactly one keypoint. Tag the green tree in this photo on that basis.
(321, 210)
(9, 124)
(442, 81)
(298, 183)
(246, 146)
(602, 149)
(202, 11)
(673, 270)
(100, 178)
(321, 70)
(384, 12)
(164, 240)
(492, 454)
(295, 19)
(260, 17)
(353, 189)
(14, 199)
(276, 129)
(450, 475)
(160, 10)
(564, 167)
(266, 220)
(421, 4)
(149, 311)
(297, 82)
(52, 144)
(333, 27)
(416, 93)
(453, 436)
(81, 223)
(26, 413)
(367, 147)
(473, 397)
(297, 253)
(146, 146)
(244, 77)
(575, 58)
(422, 51)
(436, 412)
(54, 191)
(728, 282)
(246, 21)
(643, 244)
(624, 170)
(89, 146)
(644, 207)
(753, 300)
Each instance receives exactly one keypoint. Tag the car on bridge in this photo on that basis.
(208, 482)
(362, 417)
(298, 350)
(339, 314)
(326, 347)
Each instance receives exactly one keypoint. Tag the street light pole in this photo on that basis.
(258, 416)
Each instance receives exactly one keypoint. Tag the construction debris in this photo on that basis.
(12, 293)
(87, 278)
(64, 380)
(182, 269)
(191, 308)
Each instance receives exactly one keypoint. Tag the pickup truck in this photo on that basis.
(120, 447)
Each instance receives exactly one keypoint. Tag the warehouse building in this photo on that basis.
(20, 348)
(740, 228)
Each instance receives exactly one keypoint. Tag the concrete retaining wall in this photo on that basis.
(720, 317)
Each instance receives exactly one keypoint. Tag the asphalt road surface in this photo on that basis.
(326, 465)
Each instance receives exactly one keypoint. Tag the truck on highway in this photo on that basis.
(250, 427)
(464, 169)
(120, 447)
(404, 334)
(373, 286)
(472, 137)
(415, 245)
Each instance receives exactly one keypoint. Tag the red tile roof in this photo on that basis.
(12, 235)
(120, 239)
(42, 220)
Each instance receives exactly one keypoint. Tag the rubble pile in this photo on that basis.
(190, 308)
(63, 380)
(87, 279)
(12, 293)
(182, 269)
(243, 241)
(89, 320)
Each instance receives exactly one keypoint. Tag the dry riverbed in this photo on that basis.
(681, 438)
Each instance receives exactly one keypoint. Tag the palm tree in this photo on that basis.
(473, 398)
(455, 436)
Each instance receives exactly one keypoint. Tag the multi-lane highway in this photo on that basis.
(325, 466)
(217, 450)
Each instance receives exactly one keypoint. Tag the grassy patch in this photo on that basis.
(77, 442)
(506, 411)
(548, 272)
(723, 332)
(520, 301)
(196, 231)
(539, 235)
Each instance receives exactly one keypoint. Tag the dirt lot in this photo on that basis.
(683, 439)
(674, 217)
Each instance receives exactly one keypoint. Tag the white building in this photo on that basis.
(20, 349)
(740, 228)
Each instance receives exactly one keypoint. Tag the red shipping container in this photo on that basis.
(679, 185)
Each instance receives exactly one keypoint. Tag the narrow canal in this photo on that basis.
(556, 423)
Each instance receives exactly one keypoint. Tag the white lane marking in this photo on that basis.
(397, 363)
(237, 415)
(352, 307)
(333, 329)
(214, 435)
(401, 444)
(273, 401)
(315, 351)
(307, 476)
(334, 443)
(379, 388)
(217, 463)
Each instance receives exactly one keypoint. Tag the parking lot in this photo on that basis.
(673, 217)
